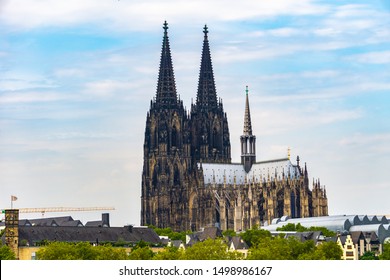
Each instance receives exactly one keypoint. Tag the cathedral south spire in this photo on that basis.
(166, 86)
(209, 126)
(207, 96)
(248, 141)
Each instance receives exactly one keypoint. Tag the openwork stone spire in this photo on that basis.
(247, 117)
(166, 86)
(248, 141)
(206, 97)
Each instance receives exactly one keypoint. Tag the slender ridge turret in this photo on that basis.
(248, 141)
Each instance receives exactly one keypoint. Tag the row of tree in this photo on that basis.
(263, 246)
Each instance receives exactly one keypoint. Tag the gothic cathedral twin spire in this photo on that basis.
(175, 141)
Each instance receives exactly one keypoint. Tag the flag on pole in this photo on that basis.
(13, 198)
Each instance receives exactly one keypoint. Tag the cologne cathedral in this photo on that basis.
(188, 179)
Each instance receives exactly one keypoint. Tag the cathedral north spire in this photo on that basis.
(166, 86)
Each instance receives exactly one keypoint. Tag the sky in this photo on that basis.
(77, 77)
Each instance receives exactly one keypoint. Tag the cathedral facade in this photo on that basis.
(188, 179)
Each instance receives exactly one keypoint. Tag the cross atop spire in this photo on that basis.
(165, 27)
(205, 30)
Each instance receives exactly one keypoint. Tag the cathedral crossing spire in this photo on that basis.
(248, 141)
(247, 117)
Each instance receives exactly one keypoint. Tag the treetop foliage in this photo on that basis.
(386, 252)
(172, 235)
(80, 251)
(263, 246)
(299, 228)
(6, 253)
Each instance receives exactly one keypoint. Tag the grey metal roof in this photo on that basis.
(353, 219)
(383, 219)
(364, 219)
(373, 219)
(89, 234)
(356, 236)
(371, 237)
(209, 232)
(217, 173)
(341, 223)
(51, 221)
(379, 229)
(238, 243)
(331, 224)
(176, 243)
(94, 224)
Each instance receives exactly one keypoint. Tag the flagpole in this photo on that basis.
(13, 198)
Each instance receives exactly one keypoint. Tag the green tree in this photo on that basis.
(172, 235)
(269, 248)
(141, 244)
(386, 252)
(80, 251)
(280, 248)
(326, 232)
(328, 251)
(210, 249)
(368, 256)
(229, 232)
(6, 253)
(254, 235)
(300, 249)
(107, 252)
(288, 227)
(299, 228)
(141, 253)
(169, 253)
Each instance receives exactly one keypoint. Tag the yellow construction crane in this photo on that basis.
(62, 209)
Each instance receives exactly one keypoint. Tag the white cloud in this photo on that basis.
(28, 97)
(347, 20)
(70, 73)
(365, 139)
(109, 88)
(381, 57)
(285, 32)
(145, 14)
(13, 81)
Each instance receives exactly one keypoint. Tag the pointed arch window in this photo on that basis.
(176, 176)
(174, 136)
(215, 138)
